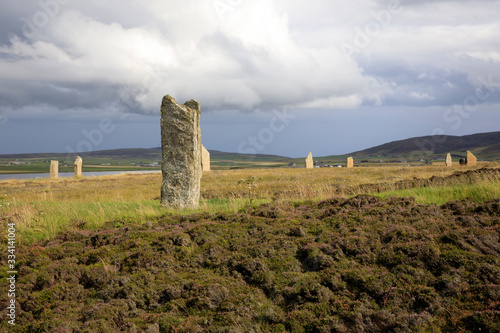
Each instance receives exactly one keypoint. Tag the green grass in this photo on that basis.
(44, 220)
(483, 191)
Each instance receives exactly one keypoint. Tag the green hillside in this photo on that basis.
(484, 145)
(128, 160)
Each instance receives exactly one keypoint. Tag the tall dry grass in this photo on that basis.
(43, 207)
(301, 184)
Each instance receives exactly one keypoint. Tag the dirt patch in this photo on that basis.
(346, 265)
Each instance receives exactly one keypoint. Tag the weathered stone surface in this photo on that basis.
(471, 159)
(78, 167)
(448, 162)
(350, 162)
(54, 169)
(181, 153)
(205, 159)
(309, 161)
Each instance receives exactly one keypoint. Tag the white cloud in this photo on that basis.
(249, 54)
(420, 96)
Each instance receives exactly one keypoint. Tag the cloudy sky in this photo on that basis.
(273, 76)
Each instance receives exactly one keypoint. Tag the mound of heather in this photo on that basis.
(343, 265)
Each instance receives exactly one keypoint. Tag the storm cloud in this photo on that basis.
(79, 59)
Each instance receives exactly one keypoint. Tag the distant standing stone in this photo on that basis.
(471, 159)
(54, 169)
(78, 167)
(205, 159)
(350, 162)
(309, 161)
(449, 161)
(181, 153)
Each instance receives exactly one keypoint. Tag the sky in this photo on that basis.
(281, 77)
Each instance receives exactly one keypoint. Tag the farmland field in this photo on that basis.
(396, 249)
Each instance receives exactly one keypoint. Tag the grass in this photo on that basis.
(42, 207)
(42, 220)
(480, 192)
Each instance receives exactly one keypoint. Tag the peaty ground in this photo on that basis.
(345, 264)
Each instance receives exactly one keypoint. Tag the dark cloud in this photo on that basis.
(413, 86)
(93, 58)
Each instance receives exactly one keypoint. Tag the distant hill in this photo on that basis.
(132, 153)
(220, 155)
(144, 154)
(483, 145)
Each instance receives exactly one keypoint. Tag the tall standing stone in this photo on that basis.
(54, 169)
(350, 162)
(205, 159)
(471, 159)
(78, 167)
(309, 161)
(448, 162)
(181, 153)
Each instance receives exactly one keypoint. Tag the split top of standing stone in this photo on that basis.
(169, 101)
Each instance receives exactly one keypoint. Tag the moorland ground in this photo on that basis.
(279, 250)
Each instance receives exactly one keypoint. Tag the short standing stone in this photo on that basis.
(181, 153)
(471, 159)
(350, 162)
(54, 169)
(78, 167)
(205, 159)
(309, 161)
(448, 162)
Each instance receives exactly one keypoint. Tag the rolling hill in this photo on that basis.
(143, 154)
(130, 159)
(113, 154)
(483, 145)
